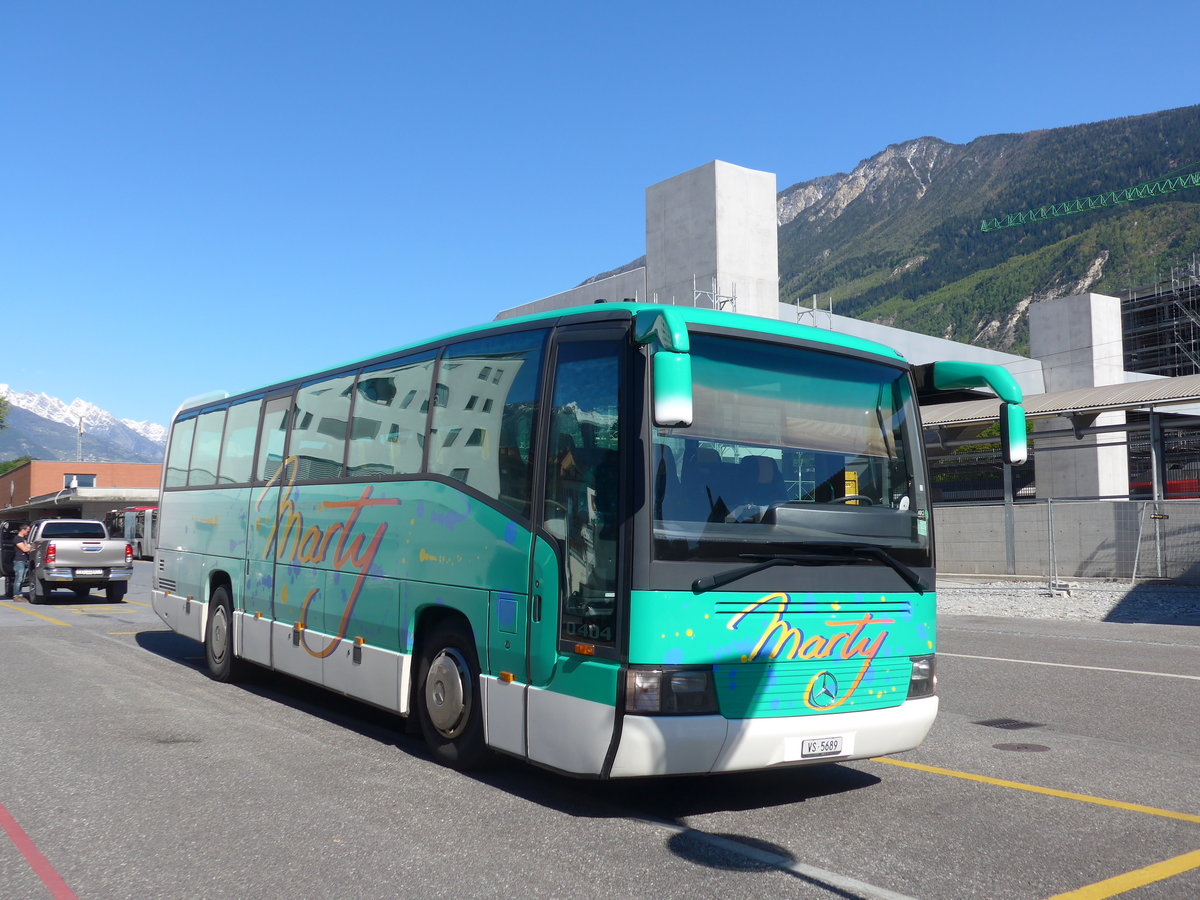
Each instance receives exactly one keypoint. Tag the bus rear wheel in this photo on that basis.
(448, 698)
(218, 637)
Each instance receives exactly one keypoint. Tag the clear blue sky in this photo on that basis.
(214, 195)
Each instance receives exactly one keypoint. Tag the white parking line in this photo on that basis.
(1037, 662)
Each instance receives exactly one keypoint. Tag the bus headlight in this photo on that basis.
(923, 680)
(670, 692)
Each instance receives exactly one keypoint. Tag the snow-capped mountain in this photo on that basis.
(45, 427)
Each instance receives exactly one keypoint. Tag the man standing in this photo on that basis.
(8, 548)
(21, 559)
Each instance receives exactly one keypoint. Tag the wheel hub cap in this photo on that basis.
(448, 693)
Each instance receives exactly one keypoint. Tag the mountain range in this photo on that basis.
(45, 427)
(899, 240)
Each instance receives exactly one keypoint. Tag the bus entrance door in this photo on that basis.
(573, 618)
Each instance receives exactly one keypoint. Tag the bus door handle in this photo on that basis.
(537, 607)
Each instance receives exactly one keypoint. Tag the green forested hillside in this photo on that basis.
(901, 243)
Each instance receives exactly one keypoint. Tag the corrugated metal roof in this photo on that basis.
(1139, 395)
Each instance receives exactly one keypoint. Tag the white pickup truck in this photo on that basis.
(77, 554)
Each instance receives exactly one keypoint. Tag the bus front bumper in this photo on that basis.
(684, 745)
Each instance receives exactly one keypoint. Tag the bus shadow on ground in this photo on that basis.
(670, 799)
(1158, 604)
(675, 798)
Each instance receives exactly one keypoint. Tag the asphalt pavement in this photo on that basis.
(1063, 759)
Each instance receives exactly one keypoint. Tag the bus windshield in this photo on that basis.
(790, 448)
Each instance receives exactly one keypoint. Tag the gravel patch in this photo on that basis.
(1091, 600)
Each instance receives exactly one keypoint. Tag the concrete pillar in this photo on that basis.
(718, 221)
(1078, 341)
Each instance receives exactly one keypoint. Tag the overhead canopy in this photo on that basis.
(1108, 398)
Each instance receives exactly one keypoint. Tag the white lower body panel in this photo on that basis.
(252, 638)
(568, 733)
(181, 614)
(681, 745)
(504, 714)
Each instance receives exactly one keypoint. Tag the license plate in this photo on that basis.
(89, 571)
(828, 746)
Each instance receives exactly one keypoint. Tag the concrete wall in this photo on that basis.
(1095, 539)
(718, 221)
(1079, 342)
(715, 225)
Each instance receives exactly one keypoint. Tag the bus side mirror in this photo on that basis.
(1013, 443)
(956, 375)
(672, 389)
(672, 368)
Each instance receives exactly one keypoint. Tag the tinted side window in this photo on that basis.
(583, 484)
(206, 450)
(477, 441)
(273, 437)
(388, 430)
(179, 453)
(319, 428)
(237, 450)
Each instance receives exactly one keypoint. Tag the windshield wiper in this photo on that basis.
(829, 553)
(708, 582)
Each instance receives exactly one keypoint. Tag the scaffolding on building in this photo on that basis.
(1161, 325)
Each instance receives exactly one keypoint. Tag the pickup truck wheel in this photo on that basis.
(114, 592)
(36, 590)
(218, 638)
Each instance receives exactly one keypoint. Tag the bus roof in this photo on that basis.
(596, 312)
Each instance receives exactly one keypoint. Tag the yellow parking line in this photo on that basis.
(36, 615)
(1051, 792)
(1110, 887)
(136, 603)
(1119, 884)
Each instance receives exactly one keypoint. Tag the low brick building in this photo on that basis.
(43, 489)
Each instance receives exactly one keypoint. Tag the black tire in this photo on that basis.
(449, 705)
(218, 638)
(114, 591)
(36, 590)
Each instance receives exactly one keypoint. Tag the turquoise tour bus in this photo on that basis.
(621, 540)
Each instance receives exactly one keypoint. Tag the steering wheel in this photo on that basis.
(866, 501)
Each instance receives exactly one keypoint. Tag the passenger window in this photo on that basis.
(273, 437)
(386, 435)
(180, 453)
(318, 440)
(483, 445)
(206, 450)
(237, 449)
(582, 502)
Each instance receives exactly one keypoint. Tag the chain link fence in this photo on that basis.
(1126, 540)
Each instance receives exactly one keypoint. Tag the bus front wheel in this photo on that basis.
(218, 637)
(448, 700)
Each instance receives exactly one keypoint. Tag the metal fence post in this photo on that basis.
(1010, 531)
(1051, 563)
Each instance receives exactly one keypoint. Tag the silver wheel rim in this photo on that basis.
(448, 693)
(219, 631)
